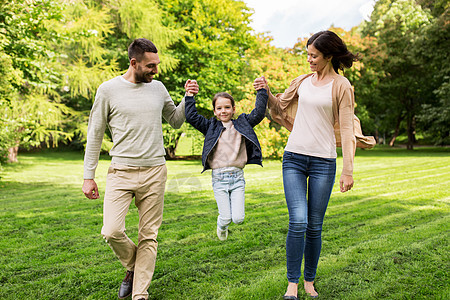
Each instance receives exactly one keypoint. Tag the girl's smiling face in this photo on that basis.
(223, 109)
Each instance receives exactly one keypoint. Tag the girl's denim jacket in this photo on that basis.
(212, 128)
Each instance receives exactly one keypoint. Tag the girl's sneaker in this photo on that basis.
(222, 234)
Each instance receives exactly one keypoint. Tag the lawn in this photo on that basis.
(388, 238)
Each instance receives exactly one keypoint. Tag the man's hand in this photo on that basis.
(90, 189)
(346, 183)
(261, 83)
(191, 87)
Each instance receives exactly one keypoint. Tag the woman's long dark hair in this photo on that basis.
(330, 44)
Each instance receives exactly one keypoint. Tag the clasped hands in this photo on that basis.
(261, 83)
(191, 87)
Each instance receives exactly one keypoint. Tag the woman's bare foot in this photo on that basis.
(292, 289)
(309, 288)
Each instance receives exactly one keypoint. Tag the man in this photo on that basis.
(132, 106)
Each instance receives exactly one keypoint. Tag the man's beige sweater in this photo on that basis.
(133, 114)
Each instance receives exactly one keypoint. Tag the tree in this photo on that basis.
(212, 51)
(100, 33)
(433, 50)
(56, 53)
(397, 26)
(9, 135)
(31, 109)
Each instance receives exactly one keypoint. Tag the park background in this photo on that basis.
(387, 239)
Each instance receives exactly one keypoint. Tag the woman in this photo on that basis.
(325, 101)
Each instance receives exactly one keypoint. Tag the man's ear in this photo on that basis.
(133, 62)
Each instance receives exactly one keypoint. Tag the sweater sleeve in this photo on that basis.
(174, 115)
(346, 112)
(96, 129)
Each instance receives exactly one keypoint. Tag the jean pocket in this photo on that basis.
(216, 178)
(287, 156)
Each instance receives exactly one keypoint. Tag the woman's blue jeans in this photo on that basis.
(308, 182)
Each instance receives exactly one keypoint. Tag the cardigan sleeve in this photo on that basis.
(346, 110)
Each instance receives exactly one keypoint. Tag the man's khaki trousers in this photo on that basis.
(146, 185)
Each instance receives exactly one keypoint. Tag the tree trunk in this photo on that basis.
(411, 124)
(12, 154)
(397, 130)
(170, 151)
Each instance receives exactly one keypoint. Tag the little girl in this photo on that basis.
(229, 145)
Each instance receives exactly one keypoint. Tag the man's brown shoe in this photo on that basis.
(126, 288)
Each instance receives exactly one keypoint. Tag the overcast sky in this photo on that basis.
(289, 19)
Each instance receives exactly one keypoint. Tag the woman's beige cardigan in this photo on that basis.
(283, 109)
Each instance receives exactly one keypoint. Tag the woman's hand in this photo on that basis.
(346, 183)
(261, 83)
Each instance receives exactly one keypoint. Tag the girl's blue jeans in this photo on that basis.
(308, 182)
(229, 190)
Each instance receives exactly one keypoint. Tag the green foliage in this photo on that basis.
(31, 112)
(9, 76)
(142, 18)
(408, 68)
(438, 8)
(171, 138)
(25, 31)
(9, 135)
(433, 45)
(84, 28)
(213, 50)
(57, 53)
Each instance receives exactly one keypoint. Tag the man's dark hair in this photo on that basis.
(138, 47)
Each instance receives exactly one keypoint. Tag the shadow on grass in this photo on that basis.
(382, 151)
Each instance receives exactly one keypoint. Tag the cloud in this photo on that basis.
(366, 10)
(288, 20)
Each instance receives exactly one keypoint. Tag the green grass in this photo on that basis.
(388, 238)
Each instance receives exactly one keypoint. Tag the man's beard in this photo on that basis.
(144, 77)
